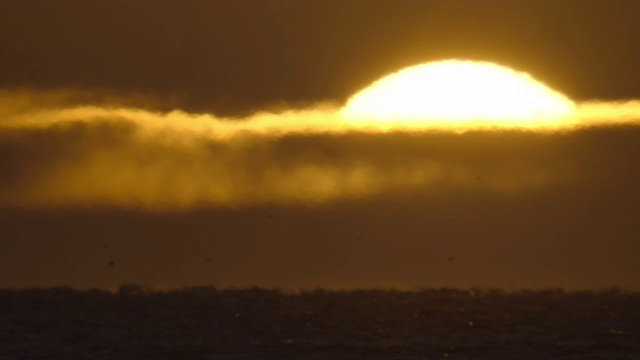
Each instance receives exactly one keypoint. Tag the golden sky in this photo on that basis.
(304, 144)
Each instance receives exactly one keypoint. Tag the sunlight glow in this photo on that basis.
(456, 94)
(78, 152)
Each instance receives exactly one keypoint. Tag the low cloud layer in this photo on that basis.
(301, 199)
(60, 149)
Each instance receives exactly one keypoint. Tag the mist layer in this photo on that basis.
(58, 149)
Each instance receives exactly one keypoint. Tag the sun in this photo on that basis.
(459, 94)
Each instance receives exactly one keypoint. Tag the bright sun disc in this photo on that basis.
(459, 94)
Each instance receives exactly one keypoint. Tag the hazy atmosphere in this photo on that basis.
(281, 144)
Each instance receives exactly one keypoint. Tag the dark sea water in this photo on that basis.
(205, 323)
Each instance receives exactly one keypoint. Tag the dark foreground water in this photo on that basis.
(205, 323)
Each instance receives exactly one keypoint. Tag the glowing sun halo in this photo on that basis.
(459, 94)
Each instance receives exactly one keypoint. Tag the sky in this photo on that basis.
(179, 143)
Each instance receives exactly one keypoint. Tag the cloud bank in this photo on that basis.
(70, 149)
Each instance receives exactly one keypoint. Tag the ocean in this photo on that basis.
(210, 323)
